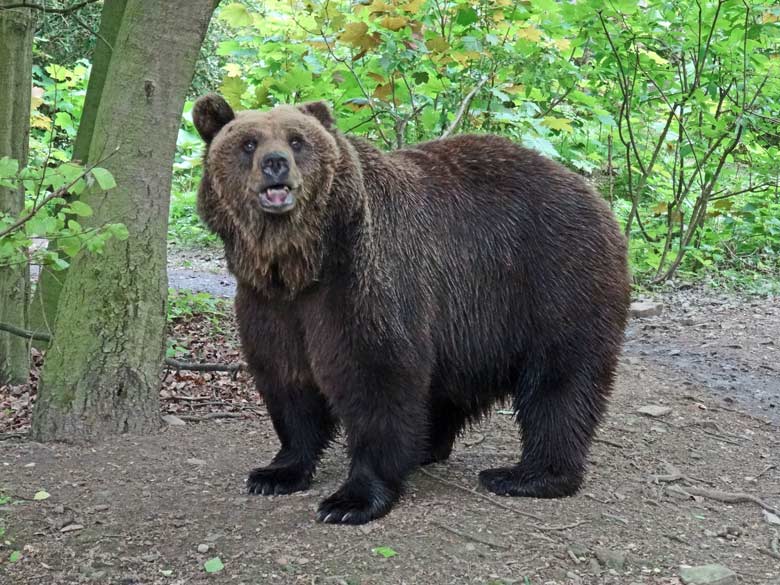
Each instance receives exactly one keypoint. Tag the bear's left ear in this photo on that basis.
(209, 114)
(321, 111)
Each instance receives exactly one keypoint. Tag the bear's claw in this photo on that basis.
(277, 480)
(355, 505)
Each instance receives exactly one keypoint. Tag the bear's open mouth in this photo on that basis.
(277, 199)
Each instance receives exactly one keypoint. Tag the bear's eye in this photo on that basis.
(296, 143)
(249, 146)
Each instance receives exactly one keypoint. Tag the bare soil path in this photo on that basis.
(692, 480)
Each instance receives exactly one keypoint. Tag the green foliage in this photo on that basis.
(671, 110)
(57, 101)
(696, 92)
(65, 39)
(185, 303)
(185, 227)
(50, 213)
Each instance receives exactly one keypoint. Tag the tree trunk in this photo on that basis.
(16, 37)
(102, 374)
(43, 308)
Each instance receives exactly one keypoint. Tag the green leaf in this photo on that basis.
(41, 495)
(104, 178)
(59, 264)
(71, 245)
(236, 15)
(15, 556)
(384, 551)
(213, 565)
(63, 120)
(466, 16)
(80, 208)
(232, 89)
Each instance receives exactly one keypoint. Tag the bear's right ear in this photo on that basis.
(209, 114)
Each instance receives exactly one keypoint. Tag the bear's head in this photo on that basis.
(265, 189)
(275, 160)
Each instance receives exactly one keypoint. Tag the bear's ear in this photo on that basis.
(209, 114)
(321, 111)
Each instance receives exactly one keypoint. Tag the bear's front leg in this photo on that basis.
(384, 416)
(305, 425)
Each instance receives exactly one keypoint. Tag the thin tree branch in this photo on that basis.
(53, 195)
(19, 332)
(43, 8)
(97, 34)
(172, 363)
(464, 106)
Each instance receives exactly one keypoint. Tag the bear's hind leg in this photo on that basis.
(557, 418)
(446, 421)
(304, 423)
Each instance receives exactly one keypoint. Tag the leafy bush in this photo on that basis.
(672, 109)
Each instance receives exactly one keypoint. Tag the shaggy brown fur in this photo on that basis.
(400, 295)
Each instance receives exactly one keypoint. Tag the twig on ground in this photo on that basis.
(673, 474)
(615, 518)
(746, 414)
(204, 367)
(677, 538)
(774, 547)
(608, 442)
(763, 471)
(190, 398)
(715, 427)
(725, 497)
(721, 437)
(561, 527)
(12, 436)
(472, 537)
(479, 495)
(210, 416)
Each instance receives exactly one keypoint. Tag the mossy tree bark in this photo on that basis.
(102, 372)
(43, 308)
(16, 36)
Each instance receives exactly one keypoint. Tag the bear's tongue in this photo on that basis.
(277, 195)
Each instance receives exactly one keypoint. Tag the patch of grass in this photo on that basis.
(184, 226)
(185, 303)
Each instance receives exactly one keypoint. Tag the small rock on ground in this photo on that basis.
(708, 575)
(644, 309)
(611, 559)
(173, 420)
(654, 410)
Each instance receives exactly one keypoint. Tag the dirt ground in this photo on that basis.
(693, 480)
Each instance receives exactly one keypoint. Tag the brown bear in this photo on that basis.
(400, 295)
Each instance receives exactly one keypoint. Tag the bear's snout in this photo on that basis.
(275, 167)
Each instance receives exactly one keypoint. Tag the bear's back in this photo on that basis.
(501, 242)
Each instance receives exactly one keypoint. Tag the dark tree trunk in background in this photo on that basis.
(43, 308)
(16, 36)
(102, 372)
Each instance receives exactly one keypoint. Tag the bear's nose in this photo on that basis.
(275, 166)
